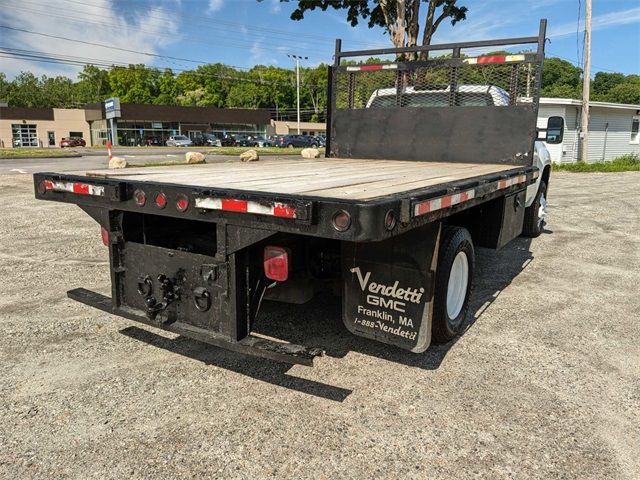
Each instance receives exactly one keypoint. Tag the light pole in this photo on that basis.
(297, 58)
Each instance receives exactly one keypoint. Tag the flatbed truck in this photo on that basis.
(425, 159)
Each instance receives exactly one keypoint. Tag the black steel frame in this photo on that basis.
(367, 216)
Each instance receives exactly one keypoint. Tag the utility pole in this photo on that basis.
(297, 59)
(584, 121)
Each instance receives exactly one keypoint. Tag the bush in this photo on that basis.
(624, 163)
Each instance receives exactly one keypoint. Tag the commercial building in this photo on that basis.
(613, 129)
(154, 124)
(40, 127)
(132, 125)
(288, 127)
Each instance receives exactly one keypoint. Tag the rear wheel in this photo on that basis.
(536, 214)
(456, 260)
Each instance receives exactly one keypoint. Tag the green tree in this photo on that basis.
(627, 92)
(5, 88)
(92, 85)
(26, 91)
(603, 82)
(134, 84)
(167, 89)
(57, 92)
(561, 79)
(399, 18)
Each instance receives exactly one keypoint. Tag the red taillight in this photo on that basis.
(276, 263)
(182, 203)
(105, 236)
(161, 200)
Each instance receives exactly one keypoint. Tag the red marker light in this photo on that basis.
(183, 203)
(140, 198)
(105, 236)
(276, 263)
(161, 200)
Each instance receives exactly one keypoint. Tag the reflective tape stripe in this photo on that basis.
(367, 68)
(511, 181)
(74, 187)
(494, 59)
(428, 206)
(439, 203)
(276, 209)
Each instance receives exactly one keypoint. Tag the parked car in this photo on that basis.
(242, 140)
(322, 140)
(154, 141)
(179, 141)
(263, 142)
(210, 140)
(291, 141)
(72, 142)
(198, 140)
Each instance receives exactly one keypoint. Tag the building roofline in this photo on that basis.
(578, 103)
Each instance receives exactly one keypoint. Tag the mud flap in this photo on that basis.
(389, 288)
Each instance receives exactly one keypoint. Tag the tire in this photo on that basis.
(535, 214)
(313, 145)
(454, 282)
(290, 145)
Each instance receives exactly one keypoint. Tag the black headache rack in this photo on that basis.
(471, 102)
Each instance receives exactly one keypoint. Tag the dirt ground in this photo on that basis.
(544, 384)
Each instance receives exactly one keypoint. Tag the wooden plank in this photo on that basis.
(329, 178)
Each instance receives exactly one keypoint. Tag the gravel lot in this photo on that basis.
(544, 384)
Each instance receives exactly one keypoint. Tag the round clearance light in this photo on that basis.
(341, 221)
(140, 198)
(161, 200)
(42, 187)
(182, 203)
(390, 220)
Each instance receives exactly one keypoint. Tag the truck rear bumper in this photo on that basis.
(249, 345)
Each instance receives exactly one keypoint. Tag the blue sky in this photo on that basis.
(246, 32)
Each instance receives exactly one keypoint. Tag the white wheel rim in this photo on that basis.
(457, 287)
(542, 210)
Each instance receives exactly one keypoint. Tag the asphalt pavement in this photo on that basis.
(543, 384)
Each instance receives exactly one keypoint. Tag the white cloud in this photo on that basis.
(276, 6)
(598, 22)
(99, 22)
(215, 5)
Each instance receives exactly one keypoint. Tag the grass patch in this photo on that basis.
(170, 163)
(37, 153)
(260, 150)
(625, 163)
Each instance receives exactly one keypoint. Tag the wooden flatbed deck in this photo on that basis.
(337, 178)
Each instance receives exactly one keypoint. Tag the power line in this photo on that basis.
(103, 45)
(237, 43)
